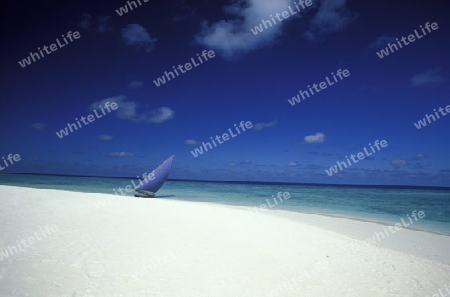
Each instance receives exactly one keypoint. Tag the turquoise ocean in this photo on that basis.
(377, 204)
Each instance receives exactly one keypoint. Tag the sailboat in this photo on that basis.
(149, 186)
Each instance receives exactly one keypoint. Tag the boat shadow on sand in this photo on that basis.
(164, 196)
(158, 196)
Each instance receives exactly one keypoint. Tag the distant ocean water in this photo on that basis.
(378, 204)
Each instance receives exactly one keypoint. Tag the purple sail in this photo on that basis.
(148, 187)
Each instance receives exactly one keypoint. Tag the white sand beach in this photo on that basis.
(167, 248)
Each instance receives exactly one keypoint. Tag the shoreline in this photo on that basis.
(309, 211)
(384, 223)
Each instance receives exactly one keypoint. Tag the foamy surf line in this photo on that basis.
(179, 248)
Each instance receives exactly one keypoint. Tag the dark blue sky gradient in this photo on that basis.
(377, 101)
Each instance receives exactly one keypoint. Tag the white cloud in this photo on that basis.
(382, 41)
(85, 22)
(260, 126)
(231, 164)
(136, 84)
(185, 12)
(103, 24)
(105, 137)
(332, 16)
(137, 36)
(428, 77)
(419, 156)
(161, 114)
(129, 110)
(120, 154)
(39, 126)
(317, 138)
(399, 162)
(232, 37)
(292, 164)
(191, 142)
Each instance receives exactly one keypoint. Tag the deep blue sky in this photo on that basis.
(250, 79)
